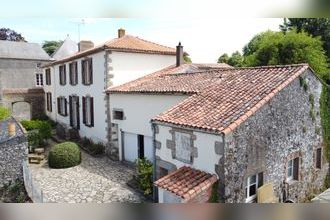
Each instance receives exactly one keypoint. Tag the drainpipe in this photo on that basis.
(155, 191)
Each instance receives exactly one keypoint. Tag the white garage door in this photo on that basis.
(130, 147)
(148, 152)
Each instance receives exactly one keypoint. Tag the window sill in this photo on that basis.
(63, 115)
(291, 182)
(90, 126)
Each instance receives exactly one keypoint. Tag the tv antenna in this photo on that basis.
(82, 22)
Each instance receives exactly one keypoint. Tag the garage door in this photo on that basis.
(135, 147)
(148, 152)
(130, 147)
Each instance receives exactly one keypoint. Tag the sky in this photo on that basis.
(205, 39)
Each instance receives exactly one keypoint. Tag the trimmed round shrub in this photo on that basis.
(64, 155)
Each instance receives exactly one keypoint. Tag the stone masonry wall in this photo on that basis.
(263, 143)
(13, 151)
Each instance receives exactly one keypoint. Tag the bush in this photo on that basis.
(144, 168)
(4, 113)
(64, 155)
(42, 133)
(91, 147)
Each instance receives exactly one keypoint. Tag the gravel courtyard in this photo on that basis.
(95, 180)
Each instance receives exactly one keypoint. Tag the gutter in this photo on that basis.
(155, 190)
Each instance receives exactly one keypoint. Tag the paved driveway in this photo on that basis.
(95, 180)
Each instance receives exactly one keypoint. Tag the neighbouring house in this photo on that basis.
(75, 94)
(21, 78)
(246, 126)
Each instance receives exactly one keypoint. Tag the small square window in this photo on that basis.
(318, 158)
(118, 114)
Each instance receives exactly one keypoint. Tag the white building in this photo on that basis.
(76, 97)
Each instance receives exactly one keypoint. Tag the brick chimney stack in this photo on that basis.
(85, 45)
(179, 55)
(121, 32)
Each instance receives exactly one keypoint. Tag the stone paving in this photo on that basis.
(95, 180)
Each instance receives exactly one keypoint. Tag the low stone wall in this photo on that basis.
(13, 151)
(32, 188)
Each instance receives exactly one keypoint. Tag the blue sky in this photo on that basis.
(204, 39)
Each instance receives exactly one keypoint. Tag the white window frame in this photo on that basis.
(289, 170)
(39, 80)
(249, 198)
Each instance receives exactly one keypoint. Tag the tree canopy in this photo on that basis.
(51, 46)
(314, 26)
(10, 35)
(236, 59)
(272, 48)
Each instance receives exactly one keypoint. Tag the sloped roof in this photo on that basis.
(22, 50)
(126, 43)
(221, 99)
(67, 48)
(186, 182)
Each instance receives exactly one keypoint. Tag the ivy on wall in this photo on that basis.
(325, 117)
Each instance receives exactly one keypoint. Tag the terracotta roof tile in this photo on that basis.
(221, 99)
(127, 43)
(186, 182)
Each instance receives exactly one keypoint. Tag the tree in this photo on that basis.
(186, 58)
(314, 26)
(236, 59)
(224, 58)
(51, 46)
(10, 35)
(272, 48)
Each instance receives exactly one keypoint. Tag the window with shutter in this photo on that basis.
(87, 71)
(49, 101)
(73, 73)
(62, 71)
(293, 169)
(88, 111)
(62, 106)
(48, 77)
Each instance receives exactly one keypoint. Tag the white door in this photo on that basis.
(148, 152)
(130, 147)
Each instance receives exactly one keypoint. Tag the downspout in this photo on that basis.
(155, 190)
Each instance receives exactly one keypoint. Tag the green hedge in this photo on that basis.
(4, 113)
(43, 131)
(64, 155)
(91, 147)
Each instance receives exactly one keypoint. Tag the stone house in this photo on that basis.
(246, 126)
(75, 85)
(21, 78)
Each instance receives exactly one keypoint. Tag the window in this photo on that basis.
(88, 111)
(140, 146)
(73, 73)
(183, 147)
(39, 79)
(49, 101)
(48, 78)
(74, 111)
(293, 169)
(118, 114)
(318, 158)
(62, 106)
(62, 75)
(252, 184)
(87, 71)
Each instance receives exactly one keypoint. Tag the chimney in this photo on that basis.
(121, 32)
(85, 45)
(179, 55)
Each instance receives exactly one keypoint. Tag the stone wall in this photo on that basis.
(13, 152)
(34, 97)
(265, 141)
